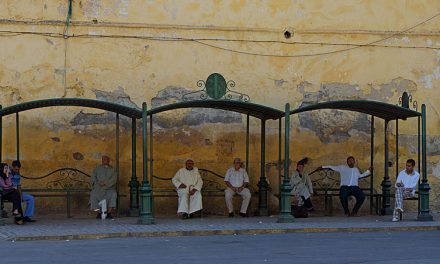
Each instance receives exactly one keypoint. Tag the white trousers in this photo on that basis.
(195, 201)
(245, 194)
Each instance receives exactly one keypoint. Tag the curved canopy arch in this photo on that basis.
(91, 103)
(255, 110)
(379, 109)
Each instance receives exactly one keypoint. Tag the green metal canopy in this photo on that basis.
(108, 106)
(259, 111)
(379, 109)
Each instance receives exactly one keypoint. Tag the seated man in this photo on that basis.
(103, 182)
(27, 198)
(237, 180)
(188, 183)
(350, 176)
(406, 185)
(302, 187)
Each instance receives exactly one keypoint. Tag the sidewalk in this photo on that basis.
(85, 228)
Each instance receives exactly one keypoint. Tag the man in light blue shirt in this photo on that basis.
(25, 197)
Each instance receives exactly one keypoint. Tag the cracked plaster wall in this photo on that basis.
(132, 70)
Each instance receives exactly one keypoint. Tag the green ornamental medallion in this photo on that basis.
(216, 86)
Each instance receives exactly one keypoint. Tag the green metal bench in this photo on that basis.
(326, 183)
(213, 185)
(64, 182)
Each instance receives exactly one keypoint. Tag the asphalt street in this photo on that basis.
(379, 247)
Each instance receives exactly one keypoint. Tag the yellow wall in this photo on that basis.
(134, 51)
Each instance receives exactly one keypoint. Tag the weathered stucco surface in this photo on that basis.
(134, 51)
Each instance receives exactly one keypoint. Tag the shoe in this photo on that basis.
(311, 209)
(243, 215)
(231, 214)
(400, 210)
(109, 216)
(395, 219)
(185, 216)
(19, 221)
(29, 220)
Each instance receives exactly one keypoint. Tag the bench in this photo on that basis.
(415, 198)
(326, 183)
(213, 185)
(64, 182)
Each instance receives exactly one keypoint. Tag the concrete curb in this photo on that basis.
(224, 232)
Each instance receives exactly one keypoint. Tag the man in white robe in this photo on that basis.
(188, 183)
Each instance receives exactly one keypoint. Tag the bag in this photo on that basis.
(299, 211)
(6, 192)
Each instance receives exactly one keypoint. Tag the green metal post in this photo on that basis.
(17, 134)
(418, 159)
(372, 165)
(386, 183)
(418, 144)
(397, 148)
(247, 143)
(285, 214)
(118, 202)
(151, 160)
(279, 162)
(2, 222)
(134, 183)
(146, 214)
(262, 184)
(1, 137)
(424, 214)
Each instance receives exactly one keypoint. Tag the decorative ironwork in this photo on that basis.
(406, 100)
(329, 180)
(217, 88)
(66, 179)
(212, 182)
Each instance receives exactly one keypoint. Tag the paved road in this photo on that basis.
(395, 247)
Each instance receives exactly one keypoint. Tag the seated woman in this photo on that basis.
(10, 193)
(302, 187)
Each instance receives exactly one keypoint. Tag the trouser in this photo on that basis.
(14, 197)
(245, 194)
(400, 195)
(30, 204)
(307, 202)
(345, 192)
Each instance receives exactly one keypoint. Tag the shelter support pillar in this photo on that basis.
(146, 192)
(424, 214)
(262, 184)
(372, 166)
(386, 183)
(247, 143)
(285, 214)
(1, 145)
(134, 183)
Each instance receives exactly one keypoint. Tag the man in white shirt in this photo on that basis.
(406, 185)
(188, 183)
(350, 176)
(237, 180)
